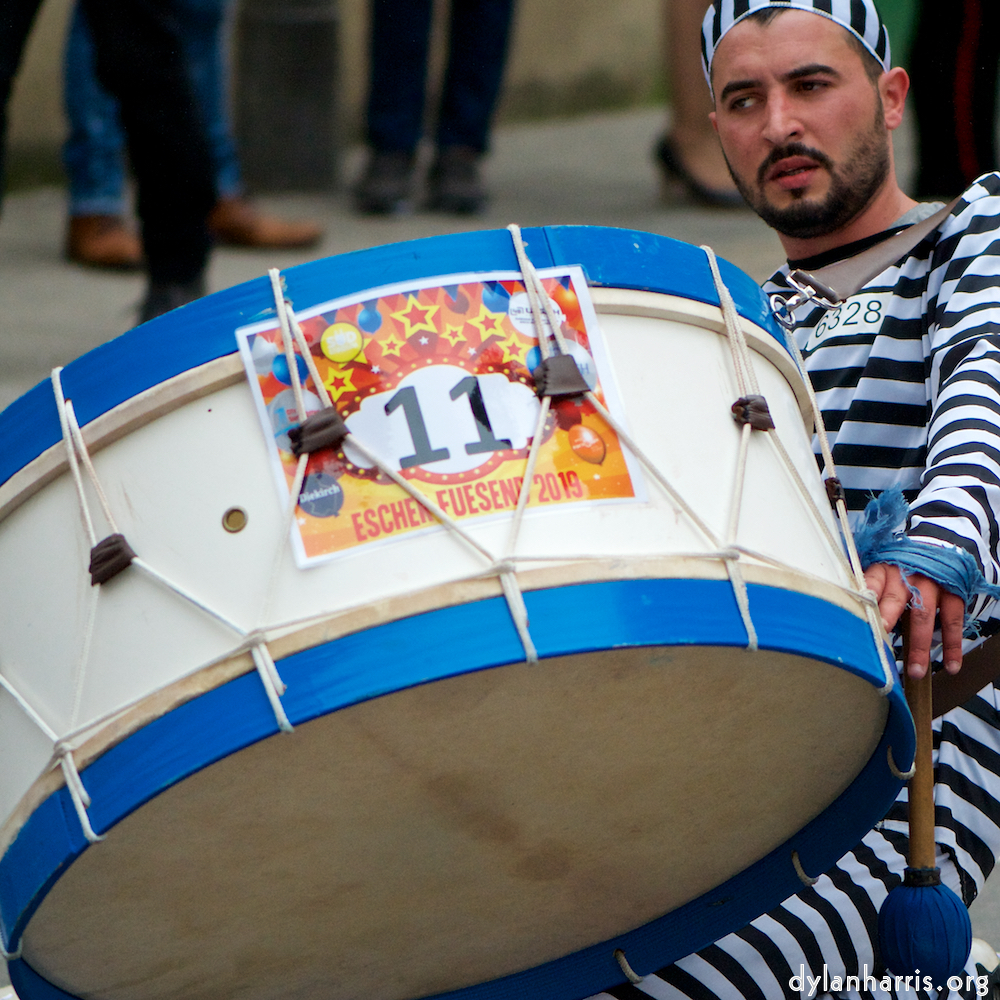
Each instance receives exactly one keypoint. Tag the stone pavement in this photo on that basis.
(593, 169)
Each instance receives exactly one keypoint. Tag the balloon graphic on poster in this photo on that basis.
(370, 319)
(280, 369)
(588, 444)
(263, 353)
(567, 301)
(341, 342)
(321, 496)
(584, 361)
(284, 414)
(496, 298)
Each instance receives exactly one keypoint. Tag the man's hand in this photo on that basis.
(894, 597)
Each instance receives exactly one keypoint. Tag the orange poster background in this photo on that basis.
(367, 347)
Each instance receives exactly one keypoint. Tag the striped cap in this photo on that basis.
(859, 17)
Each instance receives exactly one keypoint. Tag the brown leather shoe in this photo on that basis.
(103, 241)
(235, 222)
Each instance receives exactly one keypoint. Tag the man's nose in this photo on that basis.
(782, 123)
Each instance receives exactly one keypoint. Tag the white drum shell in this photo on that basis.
(169, 482)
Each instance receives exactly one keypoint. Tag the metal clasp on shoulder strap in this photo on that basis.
(833, 284)
(807, 289)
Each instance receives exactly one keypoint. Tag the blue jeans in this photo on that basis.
(477, 49)
(94, 153)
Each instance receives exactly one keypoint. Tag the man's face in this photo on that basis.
(801, 124)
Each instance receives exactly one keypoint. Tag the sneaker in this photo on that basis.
(235, 222)
(385, 188)
(163, 296)
(103, 241)
(454, 184)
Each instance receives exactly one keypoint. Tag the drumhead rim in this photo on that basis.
(621, 613)
(289, 639)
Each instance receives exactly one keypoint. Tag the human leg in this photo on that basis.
(689, 155)
(94, 151)
(477, 51)
(140, 61)
(202, 26)
(94, 157)
(400, 35)
(234, 221)
(98, 234)
(16, 18)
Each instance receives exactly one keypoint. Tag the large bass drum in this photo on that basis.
(709, 721)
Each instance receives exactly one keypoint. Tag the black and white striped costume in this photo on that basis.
(908, 377)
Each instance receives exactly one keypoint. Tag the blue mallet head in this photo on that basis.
(924, 928)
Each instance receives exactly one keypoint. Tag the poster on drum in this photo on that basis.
(434, 378)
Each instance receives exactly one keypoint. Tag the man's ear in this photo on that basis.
(893, 87)
(715, 124)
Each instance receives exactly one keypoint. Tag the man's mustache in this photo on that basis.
(791, 149)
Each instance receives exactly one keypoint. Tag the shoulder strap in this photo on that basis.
(829, 286)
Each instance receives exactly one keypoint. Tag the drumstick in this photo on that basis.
(923, 927)
(921, 785)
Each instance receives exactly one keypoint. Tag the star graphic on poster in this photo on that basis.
(453, 334)
(472, 352)
(487, 323)
(341, 382)
(414, 317)
(391, 344)
(423, 340)
(511, 348)
(376, 370)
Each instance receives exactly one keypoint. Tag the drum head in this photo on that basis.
(454, 833)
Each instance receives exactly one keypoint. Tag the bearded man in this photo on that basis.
(907, 373)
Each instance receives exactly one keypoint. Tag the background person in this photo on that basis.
(688, 153)
(138, 60)
(94, 152)
(954, 69)
(805, 103)
(477, 50)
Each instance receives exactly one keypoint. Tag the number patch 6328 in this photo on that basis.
(860, 316)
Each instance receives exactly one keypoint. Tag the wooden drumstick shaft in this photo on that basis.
(921, 786)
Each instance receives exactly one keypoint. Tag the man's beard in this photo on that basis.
(851, 189)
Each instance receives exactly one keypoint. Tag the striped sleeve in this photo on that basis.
(907, 374)
(960, 490)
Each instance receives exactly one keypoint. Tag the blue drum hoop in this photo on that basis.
(467, 638)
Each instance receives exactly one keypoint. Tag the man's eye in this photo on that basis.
(741, 103)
